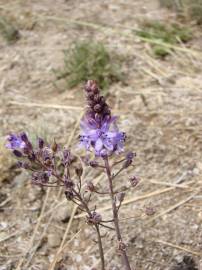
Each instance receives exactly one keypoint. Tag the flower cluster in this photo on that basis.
(20, 145)
(98, 128)
(44, 161)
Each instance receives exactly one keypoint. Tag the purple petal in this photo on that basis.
(98, 145)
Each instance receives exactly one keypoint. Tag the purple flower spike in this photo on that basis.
(99, 129)
(15, 142)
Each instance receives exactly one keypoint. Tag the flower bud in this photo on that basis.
(97, 108)
(69, 195)
(54, 146)
(17, 153)
(96, 98)
(93, 164)
(120, 196)
(40, 143)
(79, 170)
(24, 137)
(95, 218)
(45, 177)
(69, 184)
(134, 181)
(90, 186)
(128, 160)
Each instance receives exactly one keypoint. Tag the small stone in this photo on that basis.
(54, 240)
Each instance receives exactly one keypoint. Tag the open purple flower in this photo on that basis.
(104, 138)
(98, 128)
(15, 142)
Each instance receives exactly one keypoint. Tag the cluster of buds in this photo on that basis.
(44, 161)
(94, 218)
(97, 106)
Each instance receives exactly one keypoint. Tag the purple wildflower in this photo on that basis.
(15, 142)
(103, 137)
(99, 129)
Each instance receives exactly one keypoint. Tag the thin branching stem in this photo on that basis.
(85, 205)
(115, 216)
(100, 247)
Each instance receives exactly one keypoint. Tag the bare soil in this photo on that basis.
(159, 108)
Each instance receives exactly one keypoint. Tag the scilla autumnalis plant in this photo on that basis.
(52, 165)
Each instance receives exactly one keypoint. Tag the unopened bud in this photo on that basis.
(69, 184)
(129, 159)
(90, 186)
(69, 195)
(97, 108)
(24, 137)
(121, 246)
(93, 164)
(120, 196)
(54, 146)
(97, 98)
(17, 153)
(79, 170)
(134, 181)
(95, 218)
(40, 143)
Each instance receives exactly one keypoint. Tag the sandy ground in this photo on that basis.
(159, 109)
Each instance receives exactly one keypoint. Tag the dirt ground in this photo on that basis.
(160, 110)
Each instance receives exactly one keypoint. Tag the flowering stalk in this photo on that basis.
(101, 134)
(55, 166)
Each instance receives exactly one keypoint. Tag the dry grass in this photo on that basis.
(159, 108)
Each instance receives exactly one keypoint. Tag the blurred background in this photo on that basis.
(147, 58)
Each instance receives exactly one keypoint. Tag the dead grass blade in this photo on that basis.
(116, 29)
(173, 207)
(40, 105)
(179, 247)
(52, 266)
(35, 230)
